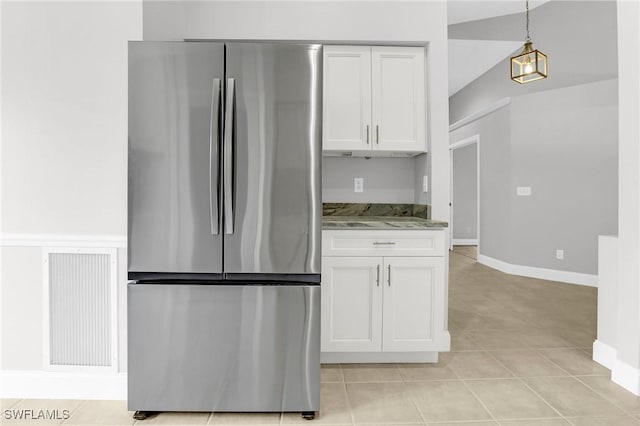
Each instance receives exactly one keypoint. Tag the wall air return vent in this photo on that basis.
(80, 309)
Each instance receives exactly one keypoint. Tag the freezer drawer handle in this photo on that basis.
(214, 135)
(384, 243)
(228, 156)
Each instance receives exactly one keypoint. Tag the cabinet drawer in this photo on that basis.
(383, 243)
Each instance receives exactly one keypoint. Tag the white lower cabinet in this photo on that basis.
(351, 304)
(391, 304)
(412, 288)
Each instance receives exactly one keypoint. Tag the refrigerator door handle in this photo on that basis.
(228, 156)
(214, 135)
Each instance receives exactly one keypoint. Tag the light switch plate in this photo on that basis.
(358, 184)
(523, 191)
(560, 254)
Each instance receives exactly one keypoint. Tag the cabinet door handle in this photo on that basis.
(367, 134)
(377, 135)
(384, 243)
(378, 275)
(389, 275)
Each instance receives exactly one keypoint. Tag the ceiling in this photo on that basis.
(469, 59)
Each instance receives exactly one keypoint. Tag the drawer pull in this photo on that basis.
(378, 276)
(384, 243)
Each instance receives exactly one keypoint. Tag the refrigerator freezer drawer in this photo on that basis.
(224, 347)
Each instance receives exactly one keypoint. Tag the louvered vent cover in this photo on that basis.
(80, 309)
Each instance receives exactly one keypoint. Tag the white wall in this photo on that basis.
(371, 22)
(64, 97)
(64, 154)
(624, 356)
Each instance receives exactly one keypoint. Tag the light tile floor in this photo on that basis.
(521, 355)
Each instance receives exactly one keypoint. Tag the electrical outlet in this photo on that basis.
(425, 183)
(358, 184)
(560, 254)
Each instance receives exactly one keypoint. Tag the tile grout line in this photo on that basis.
(450, 380)
(480, 401)
(346, 397)
(531, 389)
(604, 397)
(539, 352)
(75, 410)
(472, 392)
(415, 404)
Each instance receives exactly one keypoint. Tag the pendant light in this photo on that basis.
(530, 64)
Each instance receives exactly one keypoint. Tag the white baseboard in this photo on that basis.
(21, 384)
(541, 273)
(621, 373)
(377, 357)
(626, 376)
(604, 354)
(62, 240)
(465, 242)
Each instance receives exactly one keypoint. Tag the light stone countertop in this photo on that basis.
(380, 222)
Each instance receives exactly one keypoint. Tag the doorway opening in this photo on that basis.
(464, 204)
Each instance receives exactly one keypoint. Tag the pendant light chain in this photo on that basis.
(528, 37)
(530, 64)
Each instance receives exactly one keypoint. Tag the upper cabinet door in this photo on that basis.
(346, 106)
(398, 94)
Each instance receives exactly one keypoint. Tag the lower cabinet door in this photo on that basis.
(411, 316)
(351, 304)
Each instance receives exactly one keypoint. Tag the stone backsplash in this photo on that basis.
(377, 209)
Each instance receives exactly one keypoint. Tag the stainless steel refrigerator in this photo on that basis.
(224, 223)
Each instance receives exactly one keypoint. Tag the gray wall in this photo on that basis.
(562, 143)
(465, 192)
(579, 38)
(386, 180)
(495, 152)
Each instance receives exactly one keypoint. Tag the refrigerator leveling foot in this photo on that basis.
(308, 415)
(141, 415)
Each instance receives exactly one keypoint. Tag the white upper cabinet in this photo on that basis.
(346, 107)
(398, 94)
(374, 100)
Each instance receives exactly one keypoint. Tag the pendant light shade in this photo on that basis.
(530, 64)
